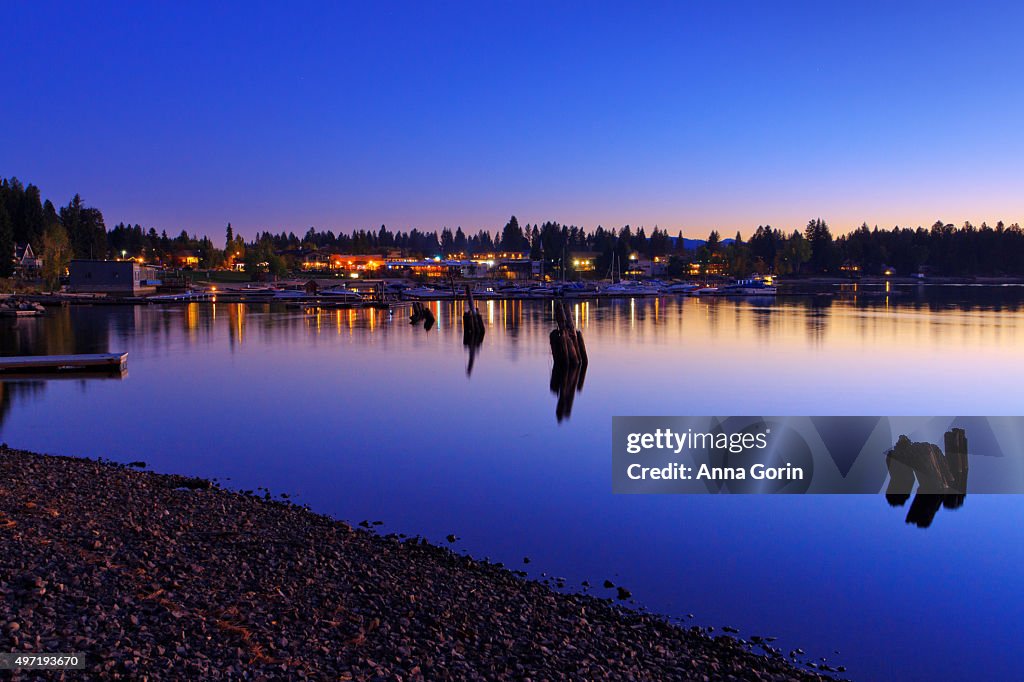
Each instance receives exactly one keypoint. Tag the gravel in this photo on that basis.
(158, 577)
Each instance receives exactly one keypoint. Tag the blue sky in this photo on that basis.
(690, 116)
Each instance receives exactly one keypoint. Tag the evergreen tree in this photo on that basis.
(447, 242)
(819, 236)
(512, 237)
(6, 244)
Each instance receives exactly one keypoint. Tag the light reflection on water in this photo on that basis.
(365, 416)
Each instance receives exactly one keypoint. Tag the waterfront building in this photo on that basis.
(115, 277)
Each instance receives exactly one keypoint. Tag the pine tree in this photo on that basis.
(6, 244)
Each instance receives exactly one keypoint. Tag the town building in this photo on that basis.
(326, 261)
(435, 268)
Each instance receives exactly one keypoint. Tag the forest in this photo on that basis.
(76, 230)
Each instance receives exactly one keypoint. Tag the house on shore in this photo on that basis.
(26, 264)
(114, 277)
(186, 259)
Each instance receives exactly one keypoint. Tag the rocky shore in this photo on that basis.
(165, 577)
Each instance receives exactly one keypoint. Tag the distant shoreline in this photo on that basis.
(786, 286)
(879, 280)
(174, 577)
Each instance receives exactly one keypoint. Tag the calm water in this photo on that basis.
(363, 416)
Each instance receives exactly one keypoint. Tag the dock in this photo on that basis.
(36, 364)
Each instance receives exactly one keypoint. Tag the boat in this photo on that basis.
(342, 294)
(577, 290)
(252, 291)
(540, 291)
(680, 288)
(753, 286)
(181, 296)
(630, 289)
(290, 295)
(428, 294)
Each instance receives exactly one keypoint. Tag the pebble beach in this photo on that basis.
(157, 577)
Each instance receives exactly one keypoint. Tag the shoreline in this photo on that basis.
(788, 286)
(166, 576)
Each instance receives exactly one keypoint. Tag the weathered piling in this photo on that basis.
(472, 322)
(567, 347)
(421, 313)
(941, 477)
(956, 457)
(570, 360)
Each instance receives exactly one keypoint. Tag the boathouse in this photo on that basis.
(115, 277)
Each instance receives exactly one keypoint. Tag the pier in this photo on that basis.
(36, 364)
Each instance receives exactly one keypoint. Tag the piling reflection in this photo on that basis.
(941, 477)
(566, 382)
(473, 329)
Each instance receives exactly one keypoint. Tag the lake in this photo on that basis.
(365, 417)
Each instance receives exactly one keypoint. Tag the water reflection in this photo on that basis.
(566, 382)
(854, 335)
(12, 391)
(353, 411)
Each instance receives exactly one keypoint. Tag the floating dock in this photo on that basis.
(37, 364)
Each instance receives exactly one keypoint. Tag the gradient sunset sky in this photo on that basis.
(690, 116)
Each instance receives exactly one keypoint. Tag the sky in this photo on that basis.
(690, 116)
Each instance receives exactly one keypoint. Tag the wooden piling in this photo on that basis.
(567, 346)
(421, 313)
(472, 321)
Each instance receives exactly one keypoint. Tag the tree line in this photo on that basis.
(76, 230)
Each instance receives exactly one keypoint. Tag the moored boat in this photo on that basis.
(629, 289)
(752, 286)
(680, 288)
(427, 294)
(340, 293)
